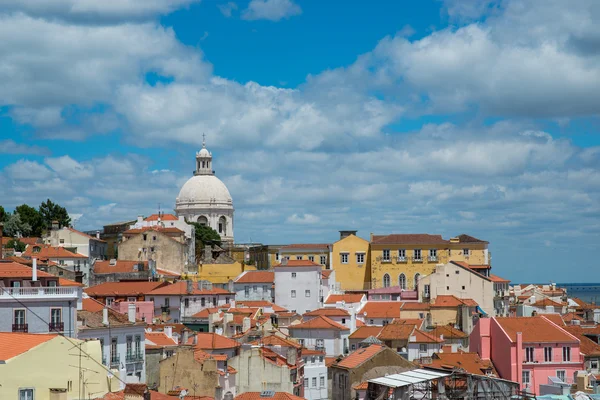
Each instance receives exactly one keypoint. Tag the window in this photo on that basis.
(402, 255)
(25, 394)
(386, 280)
(423, 348)
(466, 252)
(247, 290)
(298, 257)
(307, 293)
(153, 237)
(417, 276)
(343, 320)
(526, 378)
(114, 357)
(129, 341)
(360, 258)
(305, 382)
(426, 290)
(402, 281)
(321, 343)
(214, 301)
(566, 354)
(62, 241)
(144, 236)
(311, 258)
(562, 375)
(322, 381)
(548, 354)
(202, 302)
(463, 288)
(265, 289)
(293, 293)
(277, 256)
(594, 364)
(15, 284)
(19, 317)
(255, 289)
(152, 249)
(167, 302)
(371, 322)
(456, 272)
(432, 254)
(186, 302)
(293, 274)
(386, 255)
(344, 258)
(138, 345)
(52, 283)
(417, 254)
(55, 317)
(313, 359)
(132, 299)
(314, 382)
(300, 341)
(529, 354)
(323, 260)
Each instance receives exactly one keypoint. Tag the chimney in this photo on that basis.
(169, 331)
(345, 234)
(185, 336)
(140, 219)
(352, 320)
(232, 303)
(520, 359)
(34, 270)
(189, 286)
(131, 312)
(97, 234)
(54, 225)
(246, 324)
(105, 316)
(195, 340)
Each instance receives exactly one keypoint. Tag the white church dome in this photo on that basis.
(204, 189)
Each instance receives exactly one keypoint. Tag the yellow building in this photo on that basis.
(350, 258)
(318, 253)
(220, 274)
(46, 367)
(400, 259)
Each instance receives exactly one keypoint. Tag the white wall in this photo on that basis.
(315, 370)
(415, 353)
(177, 304)
(263, 291)
(333, 339)
(307, 278)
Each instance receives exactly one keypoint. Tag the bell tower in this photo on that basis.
(204, 160)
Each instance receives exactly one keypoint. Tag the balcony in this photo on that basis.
(115, 361)
(104, 361)
(134, 357)
(56, 326)
(320, 348)
(23, 328)
(432, 258)
(39, 293)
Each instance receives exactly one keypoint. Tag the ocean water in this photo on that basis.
(589, 292)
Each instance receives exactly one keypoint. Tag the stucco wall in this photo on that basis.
(263, 291)
(37, 315)
(183, 370)
(169, 253)
(256, 374)
(352, 275)
(307, 278)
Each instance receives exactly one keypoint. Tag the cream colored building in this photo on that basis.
(315, 252)
(351, 261)
(48, 367)
(454, 279)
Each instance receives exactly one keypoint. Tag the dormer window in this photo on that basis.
(37, 249)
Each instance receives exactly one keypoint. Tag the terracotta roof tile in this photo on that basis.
(89, 304)
(546, 302)
(425, 337)
(123, 288)
(326, 273)
(298, 263)
(534, 330)
(160, 339)
(348, 298)
(381, 309)
(256, 277)
(68, 282)
(358, 357)
(415, 306)
(261, 303)
(448, 331)
(411, 238)
(14, 344)
(276, 396)
(322, 246)
(120, 266)
(181, 288)
(418, 322)
(587, 346)
(84, 234)
(16, 270)
(310, 352)
(328, 312)
(470, 362)
(213, 341)
(556, 318)
(163, 217)
(93, 319)
(47, 251)
(469, 239)
(137, 231)
(396, 332)
(497, 279)
(319, 322)
(366, 331)
(361, 386)
(274, 340)
(446, 300)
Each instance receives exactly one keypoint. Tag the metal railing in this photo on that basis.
(23, 292)
(23, 328)
(56, 326)
(115, 360)
(134, 357)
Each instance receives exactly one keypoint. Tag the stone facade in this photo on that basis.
(165, 247)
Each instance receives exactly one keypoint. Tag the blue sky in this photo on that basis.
(447, 117)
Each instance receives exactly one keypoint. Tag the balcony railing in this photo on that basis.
(37, 292)
(432, 258)
(104, 361)
(134, 357)
(115, 361)
(24, 328)
(320, 348)
(56, 326)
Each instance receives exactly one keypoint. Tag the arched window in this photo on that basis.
(222, 226)
(386, 280)
(417, 276)
(202, 220)
(402, 281)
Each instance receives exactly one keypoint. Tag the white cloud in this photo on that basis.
(227, 9)
(68, 168)
(28, 170)
(303, 219)
(9, 146)
(467, 214)
(272, 10)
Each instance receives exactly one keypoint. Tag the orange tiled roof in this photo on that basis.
(497, 279)
(446, 300)
(361, 386)
(91, 305)
(298, 263)
(68, 282)
(381, 309)
(323, 246)
(469, 239)
(358, 357)
(213, 341)
(409, 321)
(415, 306)
(534, 329)
(14, 344)
(556, 318)
(587, 346)
(30, 240)
(366, 331)
(162, 229)
(546, 302)
(470, 362)
(47, 251)
(570, 316)
(163, 217)
(206, 312)
(261, 303)
(121, 266)
(425, 337)
(328, 312)
(123, 288)
(256, 277)
(160, 339)
(276, 396)
(84, 234)
(16, 270)
(396, 332)
(310, 352)
(448, 331)
(411, 238)
(180, 288)
(319, 322)
(153, 395)
(274, 340)
(348, 298)
(275, 358)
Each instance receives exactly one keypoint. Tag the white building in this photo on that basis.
(183, 299)
(121, 338)
(422, 344)
(348, 301)
(298, 285)
(205, 199)
(254, 285)
(322, 334)
(328, 284)
(315, 375)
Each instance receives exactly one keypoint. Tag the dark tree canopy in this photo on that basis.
(15, 227)
(3, 214)
(31, 216)
(205, 235)
(16, 244)
(53, 212)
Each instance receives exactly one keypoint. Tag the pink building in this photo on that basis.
(527, 350)
(144, 310)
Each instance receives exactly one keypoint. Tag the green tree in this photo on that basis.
(32, 217)
(15, 227)
(204, 235)
(53, 212)
(16, 244)
(3, 214)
